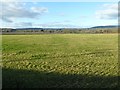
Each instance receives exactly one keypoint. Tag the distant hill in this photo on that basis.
(29, 28)
(110, 26)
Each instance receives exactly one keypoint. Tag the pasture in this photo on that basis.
(60, 60)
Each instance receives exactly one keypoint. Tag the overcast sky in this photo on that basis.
(58, 14)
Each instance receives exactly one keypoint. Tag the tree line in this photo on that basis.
(62, 31)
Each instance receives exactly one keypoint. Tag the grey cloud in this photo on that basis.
(109, 11)
(10, 11)
(23, 24)
(6, 19)
(39, 9)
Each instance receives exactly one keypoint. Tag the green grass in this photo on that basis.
(60, 60)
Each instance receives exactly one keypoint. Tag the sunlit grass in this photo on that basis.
(86, 54)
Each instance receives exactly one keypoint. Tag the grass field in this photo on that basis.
(60, 60)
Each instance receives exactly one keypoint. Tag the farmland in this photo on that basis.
(60, 60)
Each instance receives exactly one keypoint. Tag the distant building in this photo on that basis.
(7, 30)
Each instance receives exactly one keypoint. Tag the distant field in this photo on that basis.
(60, 60)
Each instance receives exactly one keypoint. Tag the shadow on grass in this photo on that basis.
(33, 79)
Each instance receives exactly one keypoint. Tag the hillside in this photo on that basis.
(110, 26)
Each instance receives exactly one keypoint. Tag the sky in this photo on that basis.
(58, 14)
